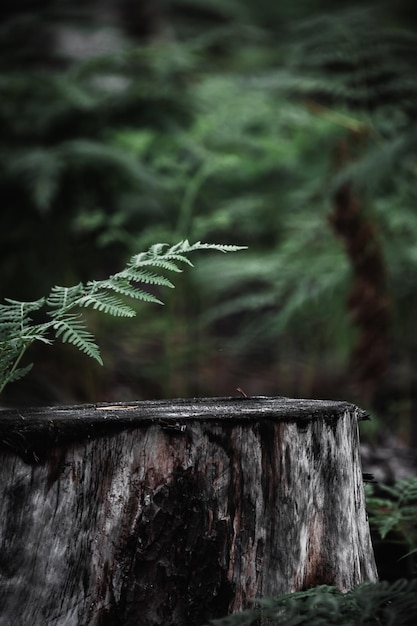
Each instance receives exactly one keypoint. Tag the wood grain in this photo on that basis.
(175, 512)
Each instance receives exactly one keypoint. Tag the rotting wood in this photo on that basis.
(32, 431)
(175, 512)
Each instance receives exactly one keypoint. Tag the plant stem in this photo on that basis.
(16, 363)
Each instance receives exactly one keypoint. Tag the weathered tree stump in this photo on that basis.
(175, 512)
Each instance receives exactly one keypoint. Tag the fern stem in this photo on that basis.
(13, 369)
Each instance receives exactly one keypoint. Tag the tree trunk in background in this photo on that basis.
(176, 512)
(369, 301)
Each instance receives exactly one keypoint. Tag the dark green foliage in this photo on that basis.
(376, 604)
(62, 172)
(392, 513)
(214, 121)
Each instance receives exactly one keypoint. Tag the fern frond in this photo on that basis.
(184, 247)
(18, 332)
(8, 328)
(368, 603)
(71, 329)
(405, 490)
(17, 374)
(64, 298)
(10, 356)
(123, 287)
(15, 322)
(138, 275)
(106, 303)
(7, 354)
(141, 260)
(19, 311)
(173, 254)
(370, 64)
(169, 258)
(397, 511)
(214, 246)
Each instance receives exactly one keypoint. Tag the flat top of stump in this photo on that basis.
(35, 427)
(231, 408)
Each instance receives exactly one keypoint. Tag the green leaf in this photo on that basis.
(72, 330)
(389, 522)
(106, 303)
(18, 373)
(123, 287)
(64, 298)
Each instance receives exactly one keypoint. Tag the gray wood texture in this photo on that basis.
(175, 512)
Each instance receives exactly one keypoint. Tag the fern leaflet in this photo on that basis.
(72, 329)
(368, 604)
(107, 303)
(64, 298)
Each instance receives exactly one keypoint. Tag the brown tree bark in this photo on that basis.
(369, 302)
(176, 512)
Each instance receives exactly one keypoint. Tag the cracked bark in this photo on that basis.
(176, 512)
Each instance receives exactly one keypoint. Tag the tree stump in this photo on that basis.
(176, 512)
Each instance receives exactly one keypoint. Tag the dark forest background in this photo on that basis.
(289, 127)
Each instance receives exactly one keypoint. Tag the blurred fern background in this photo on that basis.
(289, 128)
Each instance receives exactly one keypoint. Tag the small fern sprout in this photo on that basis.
(66, 322)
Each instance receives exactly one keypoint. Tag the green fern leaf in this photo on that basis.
(123, 287)
(64, 298)
(140, 276)
(8, 351)
(16, 326)
(20, 310)
(159, 256)
(368, 603)
(18, 332)
(185, 246)
(18, 373)
(106, 303)
(8, 328)
(139, 294)
(161, 262)
(173, 253)
(71, 329)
